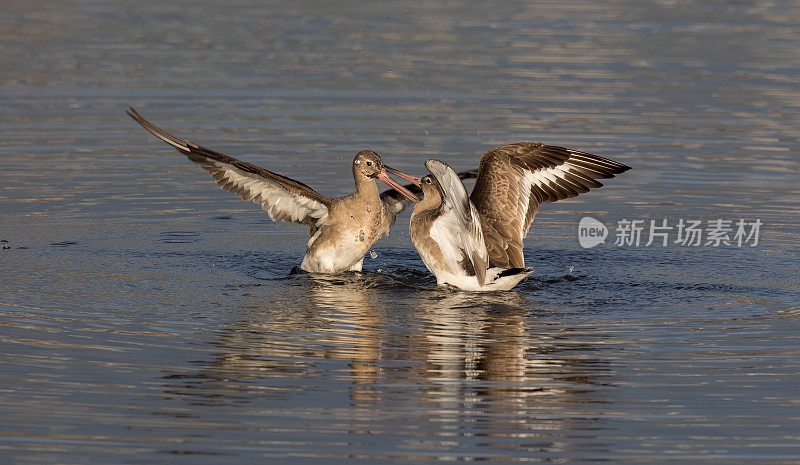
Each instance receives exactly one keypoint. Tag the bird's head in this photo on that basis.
(368, 164)
(431, 190)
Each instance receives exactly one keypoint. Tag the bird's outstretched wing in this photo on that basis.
(458, 230)
(284, 199)
(513, 180)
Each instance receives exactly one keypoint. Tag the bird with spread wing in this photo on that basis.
(341, 230)
(475, 242)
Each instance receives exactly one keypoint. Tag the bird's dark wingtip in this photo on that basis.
(514, 271)
(130, 111)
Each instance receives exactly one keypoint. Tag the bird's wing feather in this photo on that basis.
(513, 180)
(458, 230)
(284, 199)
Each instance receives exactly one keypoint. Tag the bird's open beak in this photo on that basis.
(395, 185)
(416, 180)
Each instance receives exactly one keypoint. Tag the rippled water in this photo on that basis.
(150, 317)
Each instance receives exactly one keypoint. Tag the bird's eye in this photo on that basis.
(358, 162)
(369, 163)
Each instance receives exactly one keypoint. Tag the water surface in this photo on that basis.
(150, 317)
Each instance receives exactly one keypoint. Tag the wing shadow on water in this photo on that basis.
(378, 356)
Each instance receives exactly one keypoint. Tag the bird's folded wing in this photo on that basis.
(458, 230)
(284, 199)
(513, 180)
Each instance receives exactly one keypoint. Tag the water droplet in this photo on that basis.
(570, 269)
(372, 254)
(361, 235)
(369, 209)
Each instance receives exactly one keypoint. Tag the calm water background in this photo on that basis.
(150, 317)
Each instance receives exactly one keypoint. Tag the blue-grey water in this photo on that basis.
(148, 317)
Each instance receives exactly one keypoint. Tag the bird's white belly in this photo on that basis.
(463, 281)
(345, 252)
(432, 260)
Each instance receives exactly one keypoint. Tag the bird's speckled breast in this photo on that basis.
(358, 225)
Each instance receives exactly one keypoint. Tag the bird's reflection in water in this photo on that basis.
(350, 318)
(484, 359)
(454, 364)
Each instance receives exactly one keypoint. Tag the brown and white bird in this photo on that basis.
(342, 230)
(475, 243)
